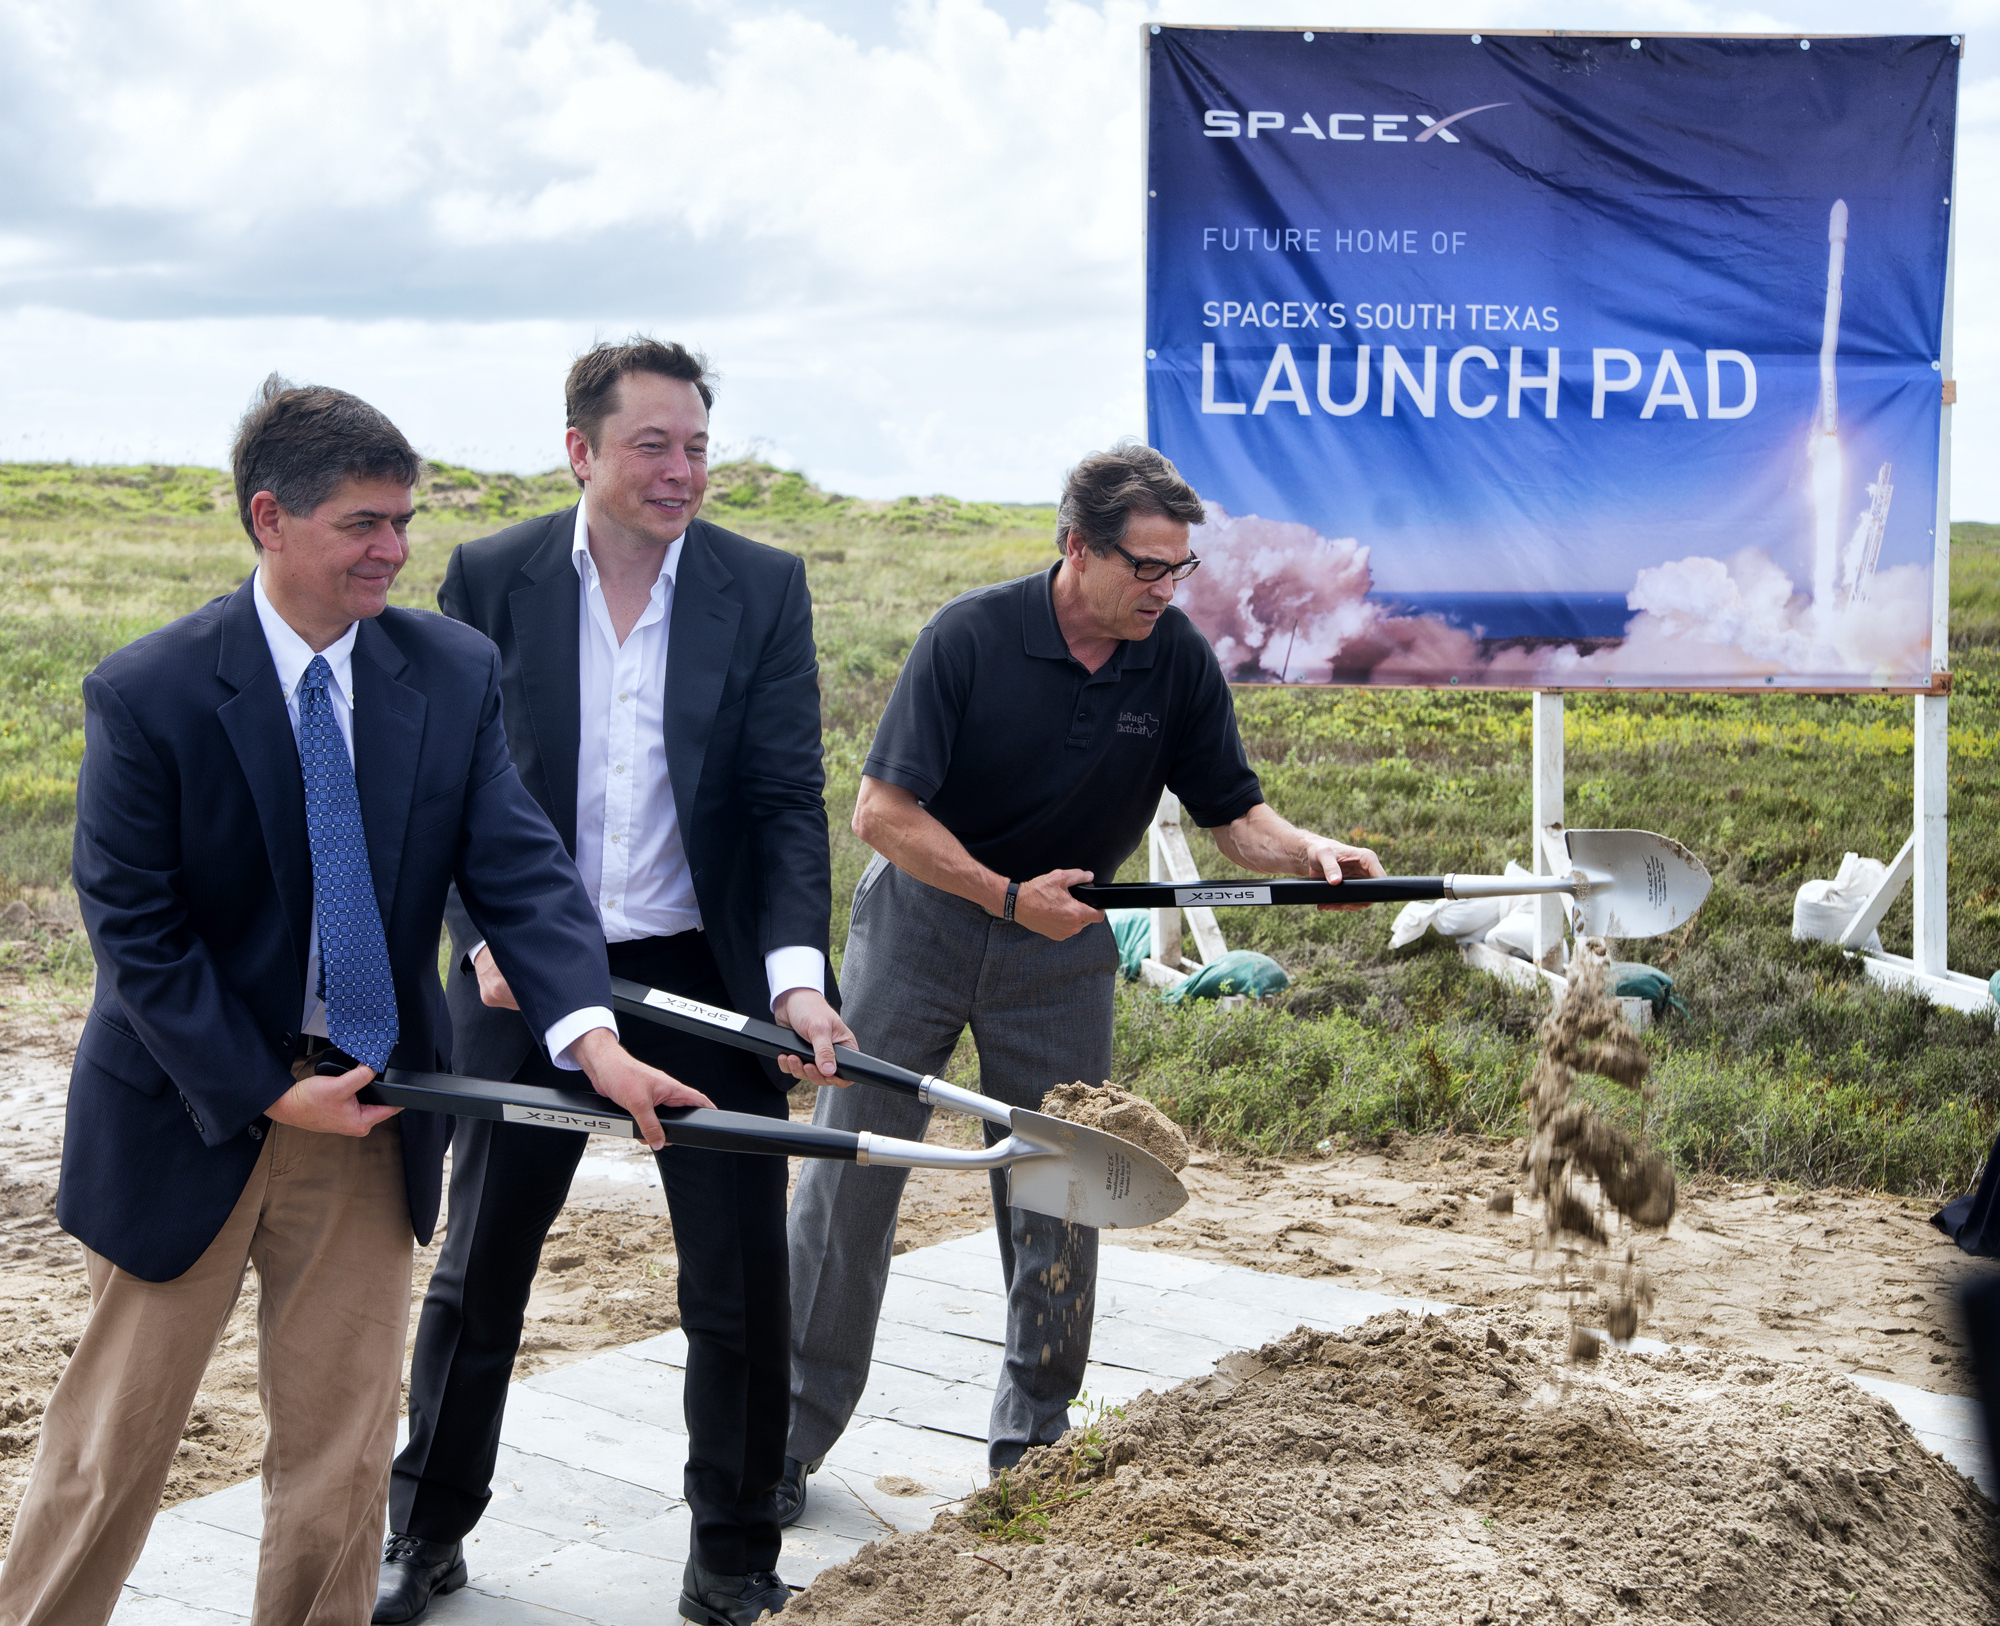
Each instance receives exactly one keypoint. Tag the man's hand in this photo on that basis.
(892, 821)
(326, 1106)
(620, 1076)
(1045, 906)
(1263, 842)
(806, 1012)
(493, 989)
(1330, 860)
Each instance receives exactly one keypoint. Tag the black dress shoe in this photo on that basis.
(413, 1572)
(792, 1490)
(730, 1600)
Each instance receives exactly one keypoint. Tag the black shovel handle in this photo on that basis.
(548, 1108)
(761, 1038)
(1232, 894)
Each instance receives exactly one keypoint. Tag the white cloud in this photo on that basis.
(912, 245)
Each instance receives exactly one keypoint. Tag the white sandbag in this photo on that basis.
(1469, 919)
(1514, 932)
(1822, 909)
(1413, 920)
(1463, 920)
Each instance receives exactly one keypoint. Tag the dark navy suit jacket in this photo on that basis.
(195, 882)
(743, 746)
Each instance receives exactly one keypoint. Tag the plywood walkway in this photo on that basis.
(587, 1522)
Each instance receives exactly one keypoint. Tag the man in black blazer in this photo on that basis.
(276, 792)
(663, 708)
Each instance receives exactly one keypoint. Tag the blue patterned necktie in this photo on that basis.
(355, 979)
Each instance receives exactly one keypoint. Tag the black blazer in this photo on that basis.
(195, 881)
(743, 746)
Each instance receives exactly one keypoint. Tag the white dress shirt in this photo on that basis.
(291, 655)
(628, 833)
(628, 837)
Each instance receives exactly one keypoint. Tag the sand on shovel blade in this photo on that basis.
(1119, 1112)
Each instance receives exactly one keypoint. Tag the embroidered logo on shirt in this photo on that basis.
(1139, 722)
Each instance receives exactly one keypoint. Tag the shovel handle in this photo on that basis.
(547, 1108)
(747, 1033)
(768, 1039)
(543, 1107)
(1220, 894)
(1360, 889)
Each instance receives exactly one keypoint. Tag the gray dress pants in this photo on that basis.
(920, 966)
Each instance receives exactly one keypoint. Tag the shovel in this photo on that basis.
(1056, 1168)
(1053, 1167)
(1621, 883)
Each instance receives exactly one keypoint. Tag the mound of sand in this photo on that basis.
(1451, 1469)
(1121, 1113)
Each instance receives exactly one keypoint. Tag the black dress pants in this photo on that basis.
(508, 1183)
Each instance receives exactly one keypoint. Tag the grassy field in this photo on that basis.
(1788, 1063)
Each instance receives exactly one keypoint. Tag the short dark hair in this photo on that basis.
(1102, 493)
(299, 441)
(591, 393)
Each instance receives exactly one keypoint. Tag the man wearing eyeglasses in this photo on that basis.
(1023, 752)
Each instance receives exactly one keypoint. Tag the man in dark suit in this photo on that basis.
(277, 791)
(663, 708)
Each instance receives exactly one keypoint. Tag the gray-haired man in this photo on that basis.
(1030, 735)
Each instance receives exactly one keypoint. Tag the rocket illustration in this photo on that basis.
(1841, 575)
(1828, 421)
(1823, 444)
(1864, 552)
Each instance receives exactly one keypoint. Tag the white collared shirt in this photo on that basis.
(291, 655)
(628, 834)
(628, 837)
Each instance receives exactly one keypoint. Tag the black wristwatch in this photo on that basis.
(1013, 892)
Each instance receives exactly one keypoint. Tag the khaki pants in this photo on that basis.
(327, 1224)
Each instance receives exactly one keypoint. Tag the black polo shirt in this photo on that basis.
(1036, 764)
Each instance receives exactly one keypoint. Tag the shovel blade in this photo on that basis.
(1638, 884)
(1096, 1179)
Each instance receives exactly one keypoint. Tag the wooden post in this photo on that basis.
(1547, 814)
(1166, 922)
(1928, 945)
(1170, 860)
(1923, 859)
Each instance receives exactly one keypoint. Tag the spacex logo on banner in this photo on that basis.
(1226, 124)
(1535, 361)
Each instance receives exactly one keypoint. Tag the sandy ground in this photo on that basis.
(1449, 1469)
(1863, 1282)
(1851, 1281)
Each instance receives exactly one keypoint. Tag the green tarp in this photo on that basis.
(1242, 971)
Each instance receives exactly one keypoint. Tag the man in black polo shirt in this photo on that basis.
(1022, 753)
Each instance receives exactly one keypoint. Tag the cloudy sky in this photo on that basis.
(908, 234)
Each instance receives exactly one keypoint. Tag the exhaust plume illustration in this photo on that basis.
(1282, 603)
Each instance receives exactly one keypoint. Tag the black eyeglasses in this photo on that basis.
(1151, 570)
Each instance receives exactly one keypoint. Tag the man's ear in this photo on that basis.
(577, 444)
(265, 517)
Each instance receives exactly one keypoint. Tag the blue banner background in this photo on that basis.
(1671, 197)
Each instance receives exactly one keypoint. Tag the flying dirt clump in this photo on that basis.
(1446, 1469)
(1121, 1113)
(1576, 1162)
